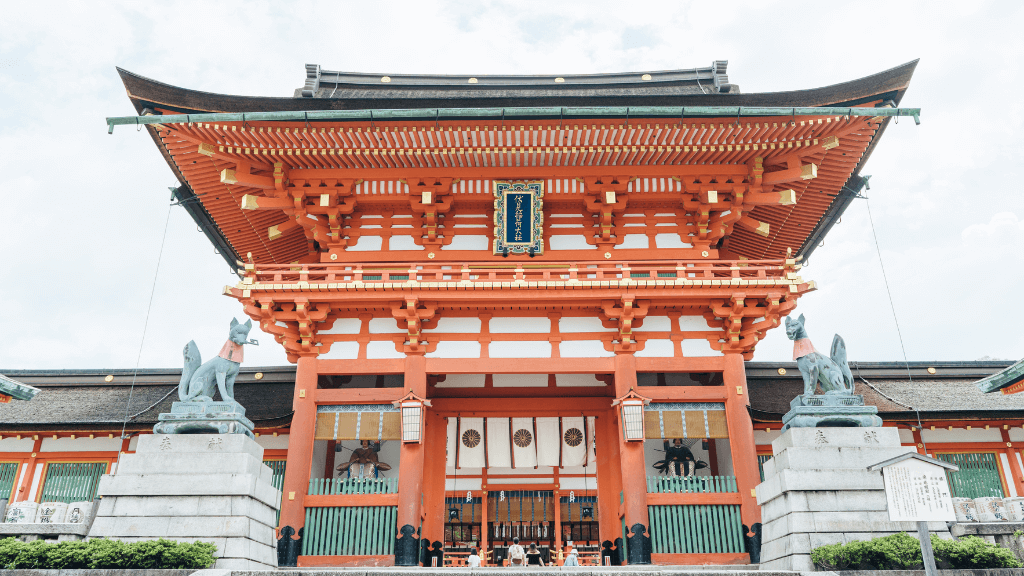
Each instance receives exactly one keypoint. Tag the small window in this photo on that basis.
(8, 475)
(978, 476)
(72, 481)
(373, 277)
(639, 274)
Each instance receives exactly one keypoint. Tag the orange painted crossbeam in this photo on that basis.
(343, 500)
(698, 559)
(346, 561)
(681, 499)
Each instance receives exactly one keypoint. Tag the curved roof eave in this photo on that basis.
(145, 92)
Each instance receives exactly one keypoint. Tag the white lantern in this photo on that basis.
(411, 407)
(633, 419)
(631, 407)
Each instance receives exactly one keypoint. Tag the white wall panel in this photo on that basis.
(670, 241)
(583, 349)
(344, 326)
(581, 324)
(457, 326)
(382, 350)
(656, 324)
(698, 348)
(532, 325)
(657, 349)
(342, 351)
(366, 244)
(456, 349)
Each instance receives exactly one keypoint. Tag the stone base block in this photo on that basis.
(189, 488)
(818, 491)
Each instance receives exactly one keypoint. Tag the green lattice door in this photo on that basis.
(761, 459)
(72, 481)
(8, 475)
(277, 467)
(978, 476)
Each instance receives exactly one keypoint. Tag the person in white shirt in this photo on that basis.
(474, 560)
(516, 554)
(571, 559)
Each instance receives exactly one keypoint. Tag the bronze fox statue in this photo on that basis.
(200, 381)
(833, 373)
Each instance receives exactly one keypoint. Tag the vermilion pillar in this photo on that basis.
(435, 437)
(300, 459)
(741, 442)
(634, 474)
(410, 474)
(609, 477)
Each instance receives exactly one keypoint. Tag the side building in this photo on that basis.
(56, 447)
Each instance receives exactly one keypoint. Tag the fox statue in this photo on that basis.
(833, 373)
(200, 381)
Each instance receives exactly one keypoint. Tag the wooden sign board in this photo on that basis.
(917, 491)
(518, 217)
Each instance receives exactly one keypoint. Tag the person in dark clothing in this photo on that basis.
(679, 458)
(533, 557)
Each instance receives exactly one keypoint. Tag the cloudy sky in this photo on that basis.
(83, 213)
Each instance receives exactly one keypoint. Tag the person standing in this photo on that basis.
(571, 559)
(516, 554)
(533, 557)
(474, 559)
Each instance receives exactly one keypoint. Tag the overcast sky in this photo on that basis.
(83, 212)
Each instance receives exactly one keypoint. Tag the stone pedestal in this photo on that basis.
(818, 491)
(830, 410)
(189, 487)
(224, 417)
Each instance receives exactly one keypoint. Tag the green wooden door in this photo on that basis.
(72, 481)
(8, 475)
(978, 476)
(761, 459)
(277, 467)
(350, 531)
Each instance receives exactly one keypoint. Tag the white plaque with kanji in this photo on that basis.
(917, 491)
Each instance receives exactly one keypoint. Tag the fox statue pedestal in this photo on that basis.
(189, 487)
(817, 490)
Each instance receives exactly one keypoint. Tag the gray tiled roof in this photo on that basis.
(82, 399)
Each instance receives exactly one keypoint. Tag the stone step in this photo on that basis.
(736, 570)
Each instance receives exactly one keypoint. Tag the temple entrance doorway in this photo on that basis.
(532, 478)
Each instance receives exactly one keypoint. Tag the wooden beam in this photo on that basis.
(803, 172)
(358, 395)
(251, 202)
(351, 500)
(346, 367)
(783, 197)
(515, 407)
(683, 393)
(520, 365)
(681, 499)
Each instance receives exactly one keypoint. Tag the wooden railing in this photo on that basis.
(350, 531)
(340, 486)
(696, 529)
(696, 272)
(690, 484)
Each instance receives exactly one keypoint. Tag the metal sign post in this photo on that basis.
(916, 490)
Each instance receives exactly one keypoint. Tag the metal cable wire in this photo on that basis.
(892, 306)
(145, 326)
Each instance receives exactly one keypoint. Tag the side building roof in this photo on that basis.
(71, 400)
